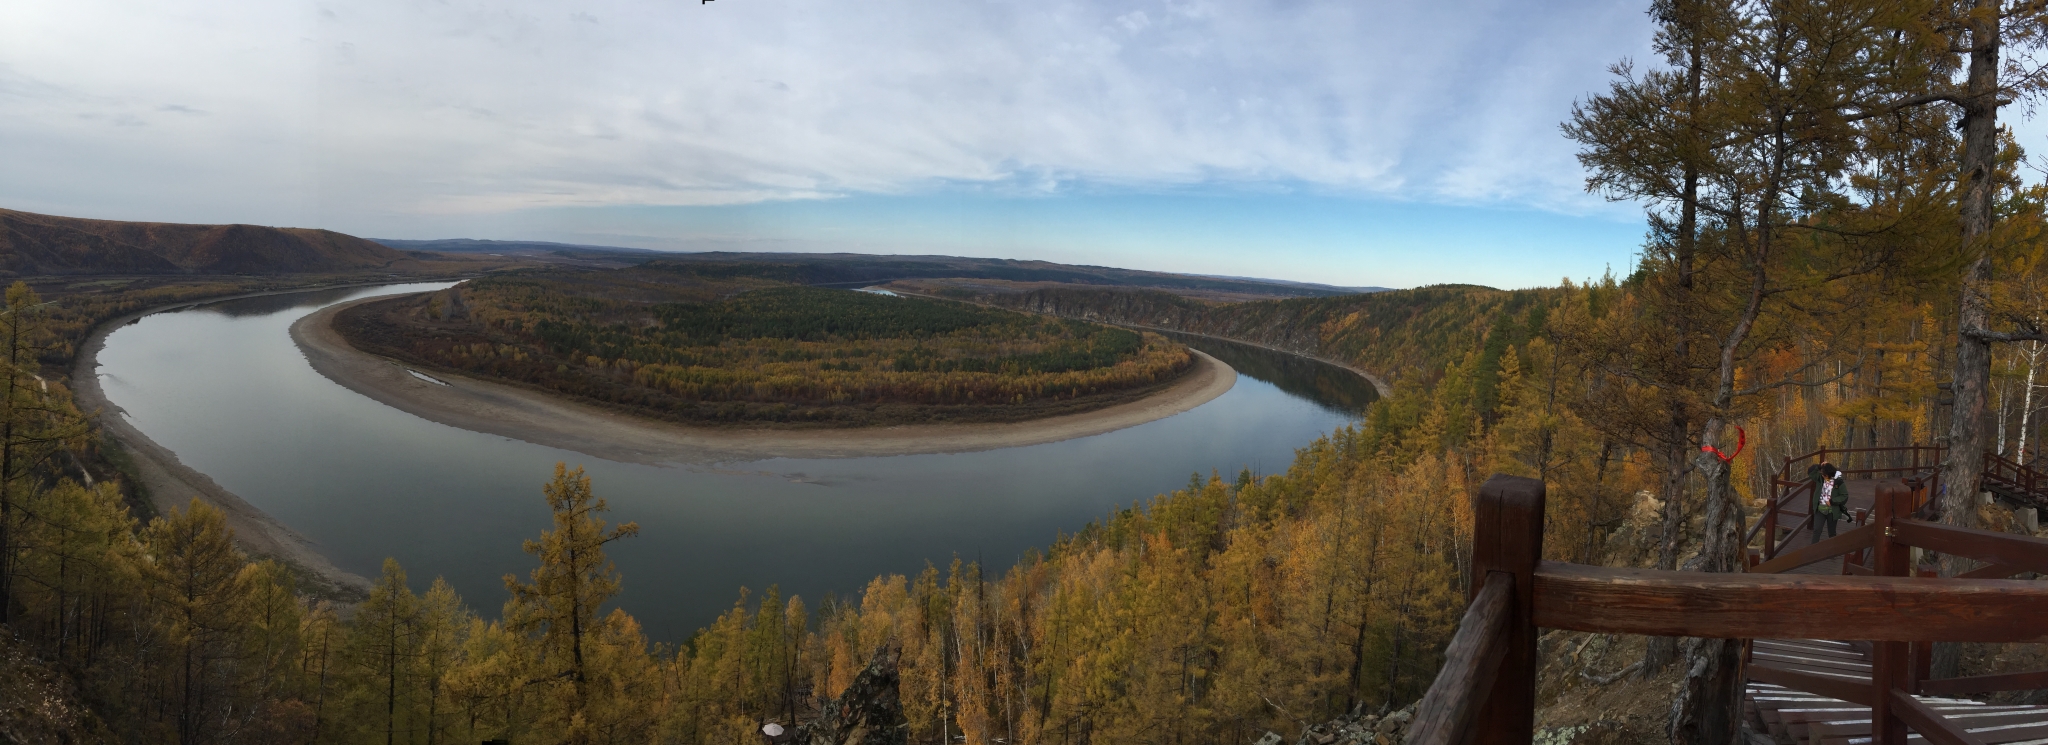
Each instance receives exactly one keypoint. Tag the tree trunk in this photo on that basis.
(1708, 707)
(1660, 651)
(1960, 476)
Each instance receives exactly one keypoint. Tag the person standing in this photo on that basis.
(1830, 499)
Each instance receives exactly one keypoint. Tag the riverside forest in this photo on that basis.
(1847, 248)
(700, 342)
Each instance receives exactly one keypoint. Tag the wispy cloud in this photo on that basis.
(323, 111)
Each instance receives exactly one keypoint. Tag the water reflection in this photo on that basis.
(263, 305)
(1337, 389)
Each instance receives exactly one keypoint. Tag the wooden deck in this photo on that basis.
(1794, 717)
(1800, 688)
(1862, 495)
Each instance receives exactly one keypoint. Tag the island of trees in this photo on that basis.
(726, 344)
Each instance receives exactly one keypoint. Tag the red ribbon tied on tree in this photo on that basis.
(1741, 439)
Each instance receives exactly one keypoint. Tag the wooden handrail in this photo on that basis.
(2023, 553)
(1930, 725)
(1985, 684)
(1486, 694)
(1805, 522)
(1656, 602)
(1990, 571)
(1471, 662)
(1856, 539)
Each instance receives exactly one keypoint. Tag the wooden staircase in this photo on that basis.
(1800, 688)
(1794, 717)
(1799, 714)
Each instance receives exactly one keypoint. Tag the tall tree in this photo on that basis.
(1652, 138)
(558, 608)
(194, 577)
(383, 652)
(34, 425)
(1755, 168)
(1995, 39)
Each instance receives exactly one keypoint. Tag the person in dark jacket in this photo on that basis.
(1830, 499)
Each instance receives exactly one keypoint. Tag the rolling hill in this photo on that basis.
(33, 244)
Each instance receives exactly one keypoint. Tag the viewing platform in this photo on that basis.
(1826, 659)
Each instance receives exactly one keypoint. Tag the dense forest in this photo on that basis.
(1186, 618)
(1842, 251)
(1402, 336)
(724, 343)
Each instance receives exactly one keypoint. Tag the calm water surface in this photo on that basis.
(223, 386)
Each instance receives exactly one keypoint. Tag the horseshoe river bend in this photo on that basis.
(223, 388)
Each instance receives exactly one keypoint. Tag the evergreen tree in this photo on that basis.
(558, 607)
(195, 580)
(383, 654)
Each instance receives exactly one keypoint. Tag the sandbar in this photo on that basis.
(553, 421)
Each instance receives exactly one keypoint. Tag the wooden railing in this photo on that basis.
(1792, 491)
(2015, 481)
(1486, 691)
(1919, 465)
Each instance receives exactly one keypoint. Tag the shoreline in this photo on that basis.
(167, 483)
(553, 421)
(1379, 386)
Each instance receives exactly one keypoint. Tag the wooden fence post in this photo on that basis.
(1891, 662)
(1507, 537)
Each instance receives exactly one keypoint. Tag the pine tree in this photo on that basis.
(194, 577)
(558, 608)
(444, 624)
(383, 654)
(34, 425)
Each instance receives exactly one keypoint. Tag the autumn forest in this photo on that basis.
(1845, 247)
(721, 344)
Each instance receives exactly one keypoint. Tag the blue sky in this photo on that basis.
(1342, 142)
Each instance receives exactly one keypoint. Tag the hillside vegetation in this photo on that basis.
(850, 269)
(32, 244)
(1402, 336)
(728, 344)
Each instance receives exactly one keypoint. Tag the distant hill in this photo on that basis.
(32, 244)
(1311, 285)
(512, 248)
(846, 269)
(856, 269)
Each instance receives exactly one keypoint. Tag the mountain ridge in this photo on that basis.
(37, 244)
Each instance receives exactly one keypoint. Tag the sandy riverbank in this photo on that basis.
(169, 483)
(542, 419)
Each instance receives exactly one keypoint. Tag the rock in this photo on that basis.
(1396, 722)
(1271, 738)
(1602, 732)
(2030, 519)
(868, 713)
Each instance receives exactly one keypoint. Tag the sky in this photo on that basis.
(1345, 142)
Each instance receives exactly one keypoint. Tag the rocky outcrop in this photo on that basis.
(1357, 728)
(869, 712)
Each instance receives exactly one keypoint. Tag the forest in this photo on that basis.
(1845, 247)
(718, 343)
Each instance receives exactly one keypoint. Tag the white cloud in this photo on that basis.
(337, 113)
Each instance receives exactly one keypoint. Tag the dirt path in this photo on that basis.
(169, 483)
(542, 419)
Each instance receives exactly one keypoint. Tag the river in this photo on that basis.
(223, 386)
